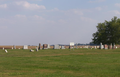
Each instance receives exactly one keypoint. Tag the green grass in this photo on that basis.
(60, 63)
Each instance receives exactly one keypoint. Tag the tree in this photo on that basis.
(107, 32)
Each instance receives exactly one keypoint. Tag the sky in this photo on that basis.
(30, 22)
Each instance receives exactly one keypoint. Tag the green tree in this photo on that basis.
(107, 32)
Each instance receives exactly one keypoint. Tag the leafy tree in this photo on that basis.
(107, 32)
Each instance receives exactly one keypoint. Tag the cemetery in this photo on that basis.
(81, 62)
(70, 60)
(57, 46)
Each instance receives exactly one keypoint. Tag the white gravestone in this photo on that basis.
(72, 45)
(25, 47)
(48, 46)
(36, 48)
(101, 46)
(6, 51)
(31, 50)
(62, 47)
(56, 47)
(3, 48)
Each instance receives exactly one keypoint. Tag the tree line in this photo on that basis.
(107, 32)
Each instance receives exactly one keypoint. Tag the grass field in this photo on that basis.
(60, 63)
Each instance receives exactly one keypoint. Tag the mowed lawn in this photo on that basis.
(60, 63)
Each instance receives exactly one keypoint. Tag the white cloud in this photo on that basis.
(36, 17)
(74, 11)
(55, 9)
(117, 4)
(98, 8)
(29, 6)
(3, 6)
(20, 16)
(96, 1)
(78, 12)
(86, 19)
(116, 12)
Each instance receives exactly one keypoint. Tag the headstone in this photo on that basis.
(71, 45)
(62, 47)
(95, 47)
(113, 46)
(98, 46)
(3, 48)
(25, 47)
(6, 51)
(36, 48)
(76, 46)
(14, 46)
(45, 46)
(56, 47)
(31, 50)
(40, 46)
(101, 46)
(48, 46)
(105, 46)
(110, 46)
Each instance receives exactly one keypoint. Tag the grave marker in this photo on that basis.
(71, 45)
(56, 47)
(101, 46)
(48, 46)
(62, 47)
(25, 47)
(36, 48)
(105, 46)
(39, 46)
(14, 46)
(45, 46)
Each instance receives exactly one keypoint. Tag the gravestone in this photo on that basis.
(105, 46)
(76, 46)
(101, 46)
(110, 46)
(14, 46)
(3, 48)
(71, 45)
(31, 50)
(48, 46)
(25, 47)
(39, 46)
(98, 46)
(62, 47)
(95, 47)
(36, 48)
(45, 46)
(56, 47)
(114, 46)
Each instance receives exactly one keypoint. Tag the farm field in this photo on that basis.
(60, 63)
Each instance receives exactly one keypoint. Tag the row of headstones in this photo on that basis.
(47, 46)
(14, 47)
(107, 46)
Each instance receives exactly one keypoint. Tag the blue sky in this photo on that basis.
(30, 22)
